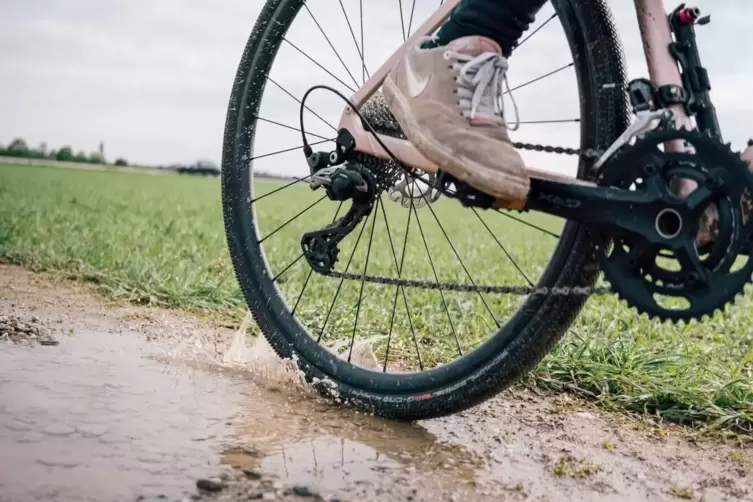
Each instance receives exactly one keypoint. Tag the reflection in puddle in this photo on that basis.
(98, 418)
(291, 432)
(304, 440)
(94, 419)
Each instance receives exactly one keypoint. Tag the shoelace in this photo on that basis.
(482, 81)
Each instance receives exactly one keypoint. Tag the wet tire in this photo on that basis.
(536, 326)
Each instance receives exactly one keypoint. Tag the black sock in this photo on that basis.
(503, 21)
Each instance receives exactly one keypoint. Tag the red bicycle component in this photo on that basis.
(689, 15)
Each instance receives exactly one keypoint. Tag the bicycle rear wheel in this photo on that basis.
(483, 368)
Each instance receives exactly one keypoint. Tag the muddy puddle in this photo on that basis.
(139, 404)
(109, 416)
(96, 415)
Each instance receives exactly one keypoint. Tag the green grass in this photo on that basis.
(160, 240)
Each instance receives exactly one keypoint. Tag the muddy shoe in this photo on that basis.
(448, 101)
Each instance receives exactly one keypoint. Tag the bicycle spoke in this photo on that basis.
(330, 43)
(303, 289)
(536, 30)
(299, 102)
(363, 282)
(319, 65)
(410, 21)
(568, 65)
(292, 219)
(339, 286)
(270, 121)
(504, 250)
(311, 270)
(402, 19)
(296, 181)
(274, 279)
(457, 255)
(524, 222)
(405, 302)
(291, 149)
(399, 288)
(353, 35)
(436, 278)
(365, 71)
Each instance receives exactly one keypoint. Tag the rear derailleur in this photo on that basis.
(341, 183)
(344, 178)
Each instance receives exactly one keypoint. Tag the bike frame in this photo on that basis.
(656, 35)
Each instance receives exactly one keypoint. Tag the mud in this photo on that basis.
(143, 404)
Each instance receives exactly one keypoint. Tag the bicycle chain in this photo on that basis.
(469, 288)
(588, 153)
(474, 288)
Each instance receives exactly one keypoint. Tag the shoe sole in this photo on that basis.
(492, 182)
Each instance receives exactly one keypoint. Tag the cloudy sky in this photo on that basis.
(151, 78)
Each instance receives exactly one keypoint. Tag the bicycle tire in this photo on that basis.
(536, 326)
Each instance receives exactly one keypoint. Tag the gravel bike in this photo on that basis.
(650, 167)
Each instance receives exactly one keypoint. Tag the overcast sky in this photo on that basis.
(151, 78)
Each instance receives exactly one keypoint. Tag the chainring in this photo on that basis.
(696, 282)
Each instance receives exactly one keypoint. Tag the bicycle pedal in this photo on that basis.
(466, 194)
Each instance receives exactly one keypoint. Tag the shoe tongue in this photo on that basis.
(473, 46)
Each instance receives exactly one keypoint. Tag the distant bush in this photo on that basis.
(65, 154)
(201, 168)
(198, 171)
(121, 162)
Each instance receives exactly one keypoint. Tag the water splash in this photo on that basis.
(246, 353)
(362, 354)
(243, 353)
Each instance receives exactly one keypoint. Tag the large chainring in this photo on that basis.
(675, 278)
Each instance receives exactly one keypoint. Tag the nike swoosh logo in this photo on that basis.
(416, 85)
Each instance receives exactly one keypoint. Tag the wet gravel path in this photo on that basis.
(103, 401)
(25, 330)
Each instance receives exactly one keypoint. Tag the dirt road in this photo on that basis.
(141, 404)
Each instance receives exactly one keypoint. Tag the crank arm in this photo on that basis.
(614, 209)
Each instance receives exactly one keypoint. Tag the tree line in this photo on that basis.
(19, 148)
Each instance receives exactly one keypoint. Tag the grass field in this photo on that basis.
(160, 240)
